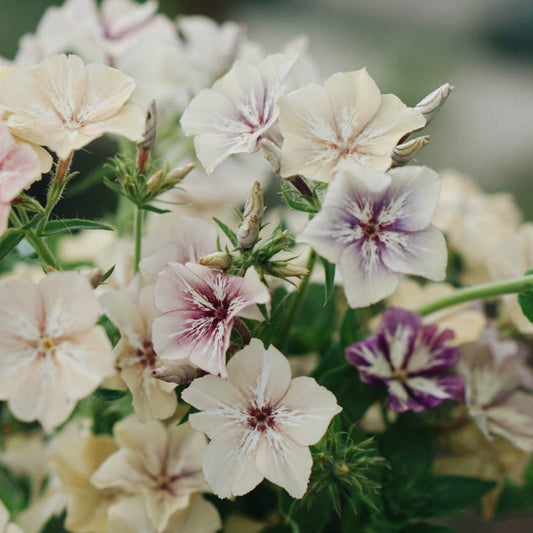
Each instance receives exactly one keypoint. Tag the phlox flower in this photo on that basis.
(129, 516)
(376, 227)
(132, 311)
(51, 352)
(64, 104)
(159, 465)
(347, 119)
(199, 307)
(237, 111)
(19, 168)
(260, 422)
(499, 389)
(75, 454)
(410, 359)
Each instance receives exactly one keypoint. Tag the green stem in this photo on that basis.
(296, 304)
(487, 290)
(138, 236)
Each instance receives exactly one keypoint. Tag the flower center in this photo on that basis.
(401, 375)
(146, 355)
(371, 230)
(220, 312)
(261, 419)
(46, 347)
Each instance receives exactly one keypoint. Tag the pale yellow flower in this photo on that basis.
(64, 104)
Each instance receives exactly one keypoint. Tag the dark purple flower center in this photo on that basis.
(370, 230)
(146, 354)
(261, 419)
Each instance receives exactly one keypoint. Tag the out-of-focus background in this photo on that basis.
(483, 47)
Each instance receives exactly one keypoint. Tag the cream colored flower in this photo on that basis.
(129, 516)
(465, 321)
(75, 455)
(51, 352)
(346, 119)
(132, 311)
(474, 222)
(511, 257)
(5, 526)
(160, 465)
(260, 422)
(64, 104)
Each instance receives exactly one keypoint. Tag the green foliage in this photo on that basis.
(9, 241)
(66, 225)
(525, 300)
(14, 491)
(517, 498)
(109, 395)
(329, 282)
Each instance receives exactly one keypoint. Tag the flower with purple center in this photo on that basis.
(200, 306)
(410, 359)
(376, 227)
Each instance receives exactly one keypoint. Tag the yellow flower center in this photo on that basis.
(46, 347)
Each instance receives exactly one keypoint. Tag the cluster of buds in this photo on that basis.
(250, 250)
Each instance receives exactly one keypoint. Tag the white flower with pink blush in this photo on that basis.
(19, 168)
(376, 227)
(51, 352)
(346, 119)
(160, 466)
(132, 311)
(200, 306)
(236, 113)
(260, 422)
(64, 104)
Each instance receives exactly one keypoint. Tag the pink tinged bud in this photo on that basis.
(177, 174)
(287, 270)
(248, 231)
(404, 152)
(430, 105)
(175, 372)
(147, 142)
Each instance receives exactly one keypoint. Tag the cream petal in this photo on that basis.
(307, 411)
(285, 463)
(18, 170)
(260, 375)
(4, 216)
(128, 122)
(122, 470)
(62, 294)
(229, 468)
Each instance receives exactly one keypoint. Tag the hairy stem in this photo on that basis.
(487, 290)
(296, 304)
(138, 230)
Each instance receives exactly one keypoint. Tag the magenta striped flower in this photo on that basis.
(199, 307)
(411, 359)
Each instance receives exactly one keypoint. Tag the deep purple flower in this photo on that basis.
(411, 359)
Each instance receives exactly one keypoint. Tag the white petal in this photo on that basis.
(421, 253)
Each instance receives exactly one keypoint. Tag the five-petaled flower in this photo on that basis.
(241, 107)
(199, 307)
(64, 104)
(377, 226)
(51, 352)
(347, 119)
(411, 359)
(260, 422)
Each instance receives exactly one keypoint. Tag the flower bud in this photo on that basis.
(220, 260)
(283, 269)
(95, 276)
(155, 181)
(430, 105)
(407, 150)
(248, 231)
(147, 142)
(178, 372)
(177, 174)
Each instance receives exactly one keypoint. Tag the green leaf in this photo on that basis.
(58, 227)
(154, 209)
(329, 285)
(303, 515)
(453, 494)
(9, 241)
(525, 299)
(107, 274)
(230, 234)
(109, 395)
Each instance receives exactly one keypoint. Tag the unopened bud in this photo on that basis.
(288, 270)
(155, 181)
(406, 151)
(178, 372)
(430, 105)
(248, 231)
(145, 146)
(178, 173)
(220, 260)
